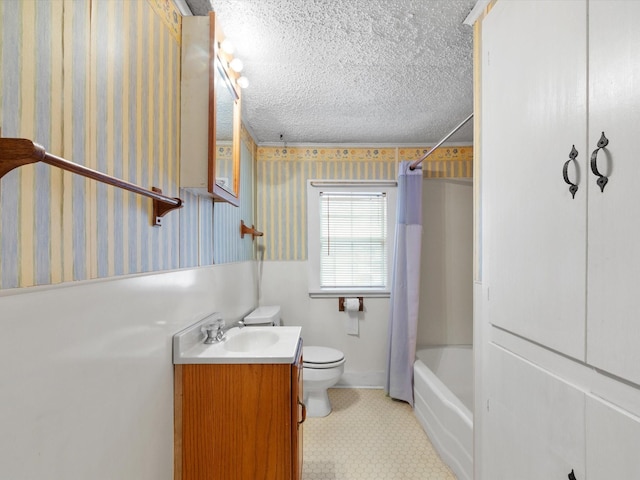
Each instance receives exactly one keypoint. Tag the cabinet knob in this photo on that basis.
(573, 188)
(602, 179)
(572, 476)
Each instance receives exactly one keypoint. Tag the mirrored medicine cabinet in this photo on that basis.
(210, 113)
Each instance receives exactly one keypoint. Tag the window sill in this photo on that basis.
(349, 293)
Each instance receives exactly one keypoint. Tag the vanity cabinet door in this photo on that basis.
(613, 306)
(533, 111)
(299, 412)
(233, 422)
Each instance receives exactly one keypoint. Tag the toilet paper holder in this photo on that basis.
(341, 301)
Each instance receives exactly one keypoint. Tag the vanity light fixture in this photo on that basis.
(227, 46)
(236, 65)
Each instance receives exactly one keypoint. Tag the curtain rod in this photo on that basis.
(433, 149)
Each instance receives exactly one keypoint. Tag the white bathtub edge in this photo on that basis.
(445, 419)
(450, 450)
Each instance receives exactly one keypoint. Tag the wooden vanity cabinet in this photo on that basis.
(239, 421)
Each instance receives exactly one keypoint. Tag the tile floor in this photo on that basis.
(368, 436)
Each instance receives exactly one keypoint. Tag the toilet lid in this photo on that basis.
(321, 357)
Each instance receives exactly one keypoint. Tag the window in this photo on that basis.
(351, 228)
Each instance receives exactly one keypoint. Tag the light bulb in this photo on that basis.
(227, 46)
(243, 82)
(236, 65)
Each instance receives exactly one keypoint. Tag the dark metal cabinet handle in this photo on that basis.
(572, 476)
(304, 412)
(602, 180)
(573, 188)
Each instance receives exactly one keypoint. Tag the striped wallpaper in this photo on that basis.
(282, 175)
(210, 231)
(96, 82)
(227, 244)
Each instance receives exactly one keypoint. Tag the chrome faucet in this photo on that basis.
(217, 331)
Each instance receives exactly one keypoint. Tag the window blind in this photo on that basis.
(353, 239)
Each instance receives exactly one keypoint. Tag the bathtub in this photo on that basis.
(443, 401)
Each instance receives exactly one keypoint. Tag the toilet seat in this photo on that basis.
(321, 357)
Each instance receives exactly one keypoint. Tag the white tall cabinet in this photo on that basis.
(560, 274)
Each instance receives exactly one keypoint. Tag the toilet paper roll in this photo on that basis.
(352, 323)
(352, 304)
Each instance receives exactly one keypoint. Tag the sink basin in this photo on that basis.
(251, 340)
(242, 345)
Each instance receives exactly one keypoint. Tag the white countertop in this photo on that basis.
(280, 345)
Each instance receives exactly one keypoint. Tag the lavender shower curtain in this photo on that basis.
(405, 286)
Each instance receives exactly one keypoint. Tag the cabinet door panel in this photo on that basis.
(613, 437)
(534, 422)
(613, 324)
(235, 422)
(535, 254)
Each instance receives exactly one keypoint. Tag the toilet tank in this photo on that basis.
(264, 316)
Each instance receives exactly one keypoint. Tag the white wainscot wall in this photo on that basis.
(86, 373)
(285, 283)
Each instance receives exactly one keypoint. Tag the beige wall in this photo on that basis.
(446, 298)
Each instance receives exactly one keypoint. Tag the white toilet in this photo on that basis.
(322, 367)
(263, 317)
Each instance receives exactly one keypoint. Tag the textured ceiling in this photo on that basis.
(351, 71)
